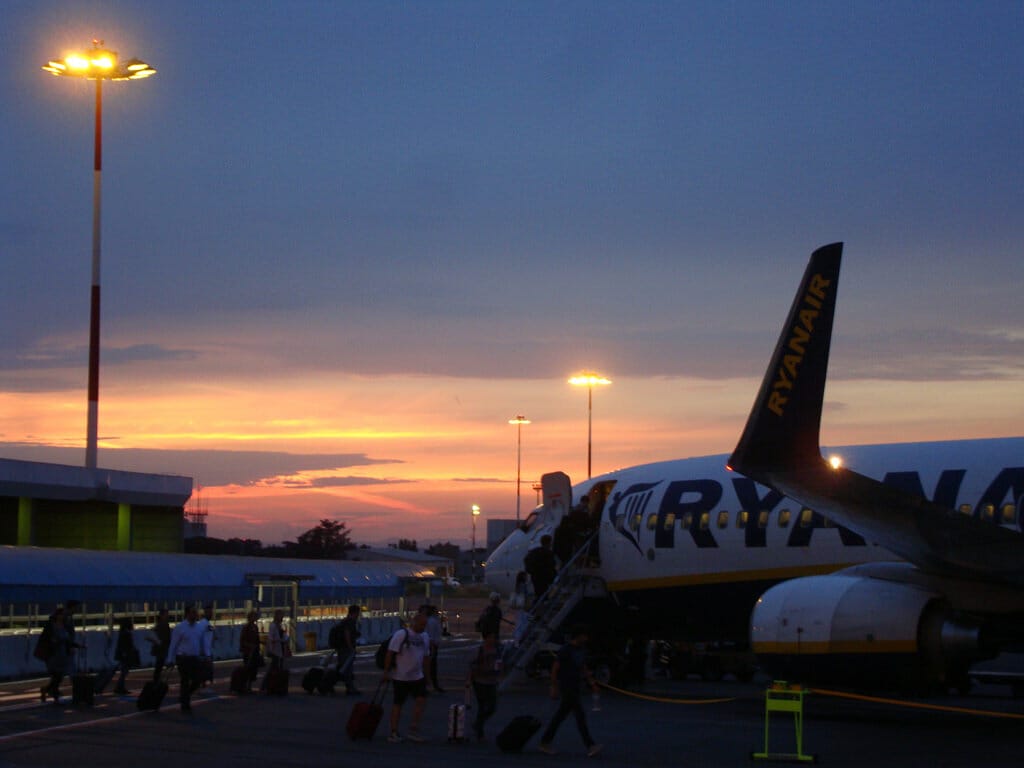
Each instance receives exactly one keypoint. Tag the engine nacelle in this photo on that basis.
(856, 629)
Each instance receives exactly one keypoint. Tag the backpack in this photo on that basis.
(382, 650)
(334, 639)
(44, 645)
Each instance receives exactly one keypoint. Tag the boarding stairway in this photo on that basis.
(549, 611)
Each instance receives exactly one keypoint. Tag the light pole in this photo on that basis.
(589, 379)
(472, 559)
(98, 64)
(518, 421)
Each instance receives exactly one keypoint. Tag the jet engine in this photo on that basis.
(862, 631)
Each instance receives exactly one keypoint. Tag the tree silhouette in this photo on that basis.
(328, 540)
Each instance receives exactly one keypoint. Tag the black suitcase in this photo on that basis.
(103, 678)
(83, 688)
(326, 685)
(515, 735)
(311, 680)
(152, 695)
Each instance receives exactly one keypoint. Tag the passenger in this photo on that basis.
(249, 647)
(160, 643)
(563, 542)
(54, 645)
(484, 675)
(490, 620)
(343, 639)
(209, 640)
(568, 673)
(434, 633)
(70, 608)
(277, 646)
(522, 590)
(541, 565)
(185, 648)
(406, 664)
(125, 653)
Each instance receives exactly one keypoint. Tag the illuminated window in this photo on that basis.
(723, 519)
(686, 521)
(1009, 514)
(705, 520)
(762, 518)
(806, 517)
(634, 522)
(670, 520)
(988, 512)
(965, 509)
(783, 518)
(652, 522)
(742, 519)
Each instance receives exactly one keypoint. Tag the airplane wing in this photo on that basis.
(780, 448)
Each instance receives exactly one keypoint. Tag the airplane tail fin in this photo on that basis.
(782, 430)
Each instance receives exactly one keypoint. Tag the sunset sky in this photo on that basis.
(345, 242)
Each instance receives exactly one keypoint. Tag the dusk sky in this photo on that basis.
(345, 242)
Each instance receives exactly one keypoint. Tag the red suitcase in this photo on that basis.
(366, 715)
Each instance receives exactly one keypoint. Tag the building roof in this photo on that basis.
(62, 482)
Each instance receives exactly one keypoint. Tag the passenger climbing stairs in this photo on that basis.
(548, 613)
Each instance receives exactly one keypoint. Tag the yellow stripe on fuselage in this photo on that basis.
(724, 577)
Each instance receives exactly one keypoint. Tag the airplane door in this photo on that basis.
(556, 490)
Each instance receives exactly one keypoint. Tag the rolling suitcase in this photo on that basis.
(515, 735)
(457, 722)
(83, 688)
(326, 685)
(277, 682)
(366, 715)
(314, 676)
(152, 696)
(103, 678)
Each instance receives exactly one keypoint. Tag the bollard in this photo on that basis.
(783, 697)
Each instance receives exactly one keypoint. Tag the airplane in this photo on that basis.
(756, 548)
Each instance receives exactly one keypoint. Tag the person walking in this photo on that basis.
(434, 633)
(491, 618)
(343, 639)
(125, 653)
(277, 647)
(484, 676)
(55, 646)
(249, 647)
(185, 648)
(406, 664)
(568, 673)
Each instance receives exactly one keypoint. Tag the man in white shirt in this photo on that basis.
(186, 648)
(406, 664)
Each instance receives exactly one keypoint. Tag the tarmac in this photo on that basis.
(667, 722)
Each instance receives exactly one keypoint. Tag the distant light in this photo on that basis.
(476, 510)
(519, 420)
(835, 461)
(588, 379)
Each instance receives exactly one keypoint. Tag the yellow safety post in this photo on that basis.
(783, 697)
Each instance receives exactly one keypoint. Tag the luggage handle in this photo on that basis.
(381, 692)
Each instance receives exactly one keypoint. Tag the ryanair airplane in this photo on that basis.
(906, 571)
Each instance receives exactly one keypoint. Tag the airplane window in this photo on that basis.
(686, 521)
(783, 518)
(988, 512)
(634, 522)
(652, 522)
(670, 520)
(965, 509)
(705, 520)
(742, 518)
(723, 519)
(762, 518)
(1009, 514)
(806, 516)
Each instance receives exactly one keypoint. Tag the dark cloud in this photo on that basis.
(206, 467)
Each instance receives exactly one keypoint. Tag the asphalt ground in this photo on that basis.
(678, 723)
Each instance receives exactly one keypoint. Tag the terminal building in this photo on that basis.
(55, 505)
